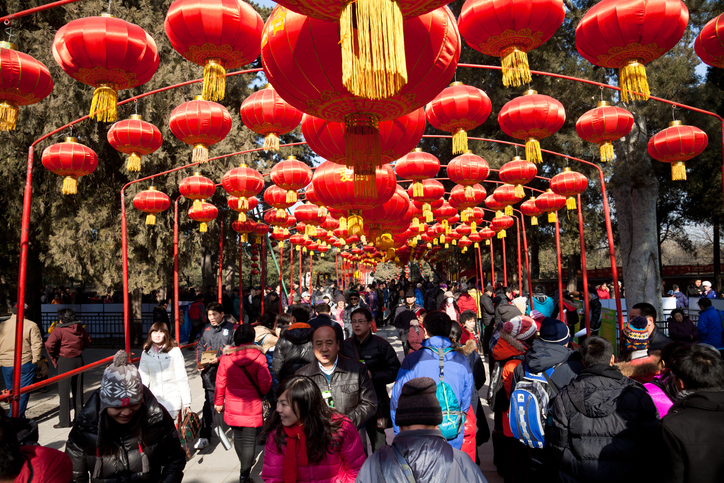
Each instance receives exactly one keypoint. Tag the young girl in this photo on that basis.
(308, 441)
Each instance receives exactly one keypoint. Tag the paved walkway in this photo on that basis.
(212, 464)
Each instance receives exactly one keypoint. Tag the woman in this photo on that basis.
(265, 336)
(308, 441)
(123, 433)
(450, 307)
(65, 346)
(416, 336)
(681, 328)
(163, 370)
(337, 311)
(242, 379)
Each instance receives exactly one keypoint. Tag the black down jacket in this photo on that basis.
(293, 351)
(603, 427)
(161, 445)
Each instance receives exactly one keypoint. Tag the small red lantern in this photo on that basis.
(308, 215)
(200, 123)
(569, 184)
(603, 125)
(458, 109)
(135, 138)
(506, 195)
(467, 170)
(487, 234)
(242, 206)
(71, 160)
(219, 35)
(518, 172)
(204, 213)
(532, 117)
(244, 183)
(475, 238)
(445, 214)
(197, 188)
(676, 144)
(291, 175)
(151, 201)
(493, 204)
(431, 197)
(459, 200)
(244, 228)
(417, 166)
(107, 53)
(550, 203)
(260, 231)
(500, 224)
(267, 114)
(23, 81)
(709, 44)
(276, 197)
(529, 208)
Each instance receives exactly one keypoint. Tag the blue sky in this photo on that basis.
(266, 3)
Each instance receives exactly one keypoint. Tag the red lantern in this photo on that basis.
(267, 114)
(532, 117)
(330, 223)
(493, 204)
(219, 35)
(432, 192)
(135, 138)
(276, 218)
(23, 81)
(260, 230)
(529, 208)
(550, 203)
(475, 238)
(244, 183)
(459, 200)
(244, 228)
(507, 195)
(71, 160)
(393, 211)
(308, 214)
(603, 125)
(500, 224)
(417, 166)
(107, 53)
(151, 201)
(676, 144)
(518, 172)
(709, 44)
(458, 109)
(626, 34)
(467, 170)
(569, 184)
(486, 234)
(276, 197)
(197, 188)
(509, 29)
(200, 123)
(445, 214)
(242, 205)
(203, 213)
(291, 175)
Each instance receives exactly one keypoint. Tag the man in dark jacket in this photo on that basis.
(657, 339)
(160, 313)
(323, 317)
(692, 430)
(694, 289)
(355, 302)
(382, 363)
(603, 426)
(403, 315)
(294, 347)
(344, 383)
(197, 317)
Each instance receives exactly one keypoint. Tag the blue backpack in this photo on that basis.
(453, 418)
(529, 404)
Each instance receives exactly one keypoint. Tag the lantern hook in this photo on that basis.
(673, 112)
(109, 6)
(9, 31)
(135, 104)
(601, 88)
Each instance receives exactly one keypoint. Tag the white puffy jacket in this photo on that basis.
(164, 373)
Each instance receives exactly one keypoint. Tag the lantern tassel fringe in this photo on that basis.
(103, 106)
(242, 217)
(460, 141)
(203, 227)
(365, 185)
(214, 87)
(487, 242)
(633, 82)
(519, 191)
(292, 196)
(362, 143)
(552, 218)
(571, 203)
(678, 171)
(509, 210)
(534, 221)
(200, 154)
(532, 151)
(151, 219)
(516, 70)
(607, 153)
(271, 142)
(70, 185)
(197, 205)
(469, 193)
(418, 189)
(133, 165)
(8, 116)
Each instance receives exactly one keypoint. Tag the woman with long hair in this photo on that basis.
(308, 441)
(163, 370)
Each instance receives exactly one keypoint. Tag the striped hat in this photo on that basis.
(520, 328)
(635, 334)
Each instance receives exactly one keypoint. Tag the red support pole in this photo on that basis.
(281, 275)
(300, 272)
(221, 258)
(480, 270)
(527, 263)
(560, 272)
(291, 273)
(505, 265)
(336, 265)
(124, 252)
(492, 264)
(176, 323)
(520, 272)
(241, 284)
(263, 273)
(583, 268)
(311, 274)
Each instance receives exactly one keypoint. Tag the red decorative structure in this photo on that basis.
(267, 114)
(197, 188)
(458, 109)
(203, 213)
(603, 125)
(23, 81)
(550, 203)
(291, 175)
(70, 160)
(676, 144)
(518, 172)
(569, 184)
(709, 44)
(151, 201)
(200, 123)
(134, 137)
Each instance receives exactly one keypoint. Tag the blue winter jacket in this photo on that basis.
(546, 307)
(710, 327)
(426, 363)
(419, 298)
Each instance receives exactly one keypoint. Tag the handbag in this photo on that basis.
(265, 404)
(189, 425)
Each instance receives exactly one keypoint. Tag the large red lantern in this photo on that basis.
(432, 192)
(291, 175)
(244, 228)
(200, 123)
(70, 160)
(492, 204)
(709, 44)
(107, 53)
(458, 109)
(529, 208)
(219, 35)
(134, 137)
(417, 166)
(676, 144)
(23, 81)
(197, 188)
(603, 125)
(569, 184)
(151, 201)
(276, 197)
(308, 214)
(550, 203)
(500, 224)
(242, 206)
(267, 114)
(518, 172)
(203, 213)
(244, 183)
(627, 34)
(532, 117)
(507, 195)
(468, 169)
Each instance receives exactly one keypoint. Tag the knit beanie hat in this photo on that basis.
(538, 317)
(520, 303)
(520, 328)
(339, 298)
(635, 335)
(554, 331)
(410, 293)
(121, 384)
(418, 403)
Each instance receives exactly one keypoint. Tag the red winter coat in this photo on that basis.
(470, 429)
(67, 340)
(242, 406)
(44, 465)
(467, 302)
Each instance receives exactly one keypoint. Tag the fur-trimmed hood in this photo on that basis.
(468, 348)
(643, 369)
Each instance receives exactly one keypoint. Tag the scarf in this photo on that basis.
(296, 453)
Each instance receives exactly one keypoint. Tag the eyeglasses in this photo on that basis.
(354, 298)
(358, 321)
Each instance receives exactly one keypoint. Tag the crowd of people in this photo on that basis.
(317, 383)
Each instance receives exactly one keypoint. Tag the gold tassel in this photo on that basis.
(509, 210)
(534, 221)
(321, 254)
(519, 191)
(678, 171)
(243, 204)
(286, 231)
(354, 225)
(373, 48)
(532, 151)
(464, 216)
(487, 241)
(70, 185)
(8, 116)
(607, 153)
(473, 226)
(455, 242)
(460, 142)
(418, 189)
(151, 219)
(444, 224)
(415, 223)
(214, 80)
(442, 238)
(133, 165)
(469, 193)
(244, 238)
(242, 216)
(200, 154)
(323, 212)
(429, 245)
(281, 212)
(271, 142)
(552, 217)
(197, 205)
(633, 82)
(571, 203)
(447, 245)
(434, 241)
(292, 196)
(465, 249)
(103, 106)
(501, 234)
(365, 185)
(203, 227)
(362, 143)
(343, 224)
(498, 214)
(516, 70)
(476, 245)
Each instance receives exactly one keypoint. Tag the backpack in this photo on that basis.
(496, 398)
(529, 404)
(195, 312)
(453, 418)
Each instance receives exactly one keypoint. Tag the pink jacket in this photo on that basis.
(242, 406)
(338, 467)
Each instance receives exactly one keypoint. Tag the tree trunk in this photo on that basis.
(574, 264)
(207, 268)
(534, 259)
(717, 255)
(137, 316)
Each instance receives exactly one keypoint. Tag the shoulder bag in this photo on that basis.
(265, 404)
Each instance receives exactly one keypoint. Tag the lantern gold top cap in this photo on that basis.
(196, 173)
(456, 83)
(268, 86)
(603, 104)
(566, 169)
(291, 157)
(136, 117)
(199, 98)
(530, 92)
(107, 15)
(417, 150)
(675, 123)
(152, 188)
(8, 45)
(70, 139)
(516, 158)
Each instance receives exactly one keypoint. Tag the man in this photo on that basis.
(694, 289)
(294, 348)
(217, 335)
(657, 339)
(345, 383)
(476, 294)
(542, 302)
(323, 318)
(271, 302)
(691, 431)
(32, 352)
(253, 308)
(197, 317)
(371, 300)
(426, 363)
(707, 292)
(430, 458)
(682, 301)
(709, 326)
(160, 313)
(403, 315)
(603, 426)
(355, 302)
(487, 309)
(382, 363)
(226, 300)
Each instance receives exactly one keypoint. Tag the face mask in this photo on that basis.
(449, 300)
